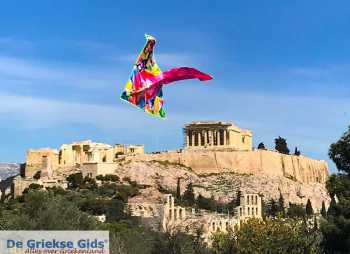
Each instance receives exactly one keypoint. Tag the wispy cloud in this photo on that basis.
(33, 113)
(37, 73)
(334, 71)
(41, 113)
(119, 121)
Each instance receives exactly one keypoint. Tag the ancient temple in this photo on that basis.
(48, 160)
(217, 135)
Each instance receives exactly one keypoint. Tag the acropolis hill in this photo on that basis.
(217, 147)
(217, 157)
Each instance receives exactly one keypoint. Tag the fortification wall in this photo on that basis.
(93, 169)
(41, 160)
(265, 162)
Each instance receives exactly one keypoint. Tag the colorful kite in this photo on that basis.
(144, 87)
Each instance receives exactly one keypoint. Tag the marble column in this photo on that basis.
(205, 137)
(210, 133)
(187, 139)
(224, 138)
(214, 137)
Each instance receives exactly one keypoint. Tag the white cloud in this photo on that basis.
(22, 69)
(30, 113)
(328, 72)
(40, 113)
(36, 73)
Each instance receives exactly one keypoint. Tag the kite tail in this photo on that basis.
(183, 73)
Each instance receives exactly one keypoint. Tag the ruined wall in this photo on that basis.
(265, 162)
(93, 169)
(41, 160)
(135, 149)
(66, 156)
(242, 140)
(19, 184)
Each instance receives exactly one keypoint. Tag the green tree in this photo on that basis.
(336, 229)
(89, 183)
(107, 189)
(309, 210)
(174, 242)
(323, 210)
(108, 177)
(45, 211)
(281, 205)
(264, 209)
(94, 206)
(178, 189)
(125, 239)
(188, 196)
(339, 185)
(124, 192)
(297, 152)
(281, 145)
(112, 178)
(272, 208)
(296, 211)
(278, 236)
(199, 245)
(332, 209)
(231, 205)
(33, 186)
(75, 180)
(206, 203)
(220, 207)
(339, 152)
(238, 197)
(315, 224)
(261, 146)
(223, 243)
(115, 211)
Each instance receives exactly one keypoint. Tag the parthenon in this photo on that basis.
(217, 135)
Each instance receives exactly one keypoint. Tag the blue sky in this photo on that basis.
(279, 67)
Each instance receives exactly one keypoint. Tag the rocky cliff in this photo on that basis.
(223, 186)
(258, 162)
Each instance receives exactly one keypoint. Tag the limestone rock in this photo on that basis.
(222, 186)
(258, 162)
